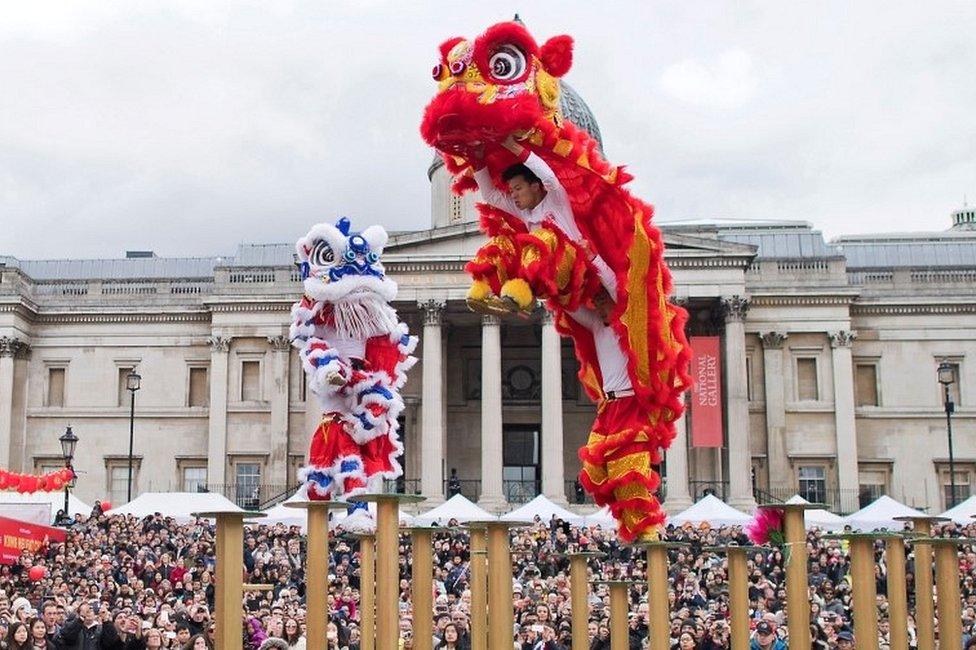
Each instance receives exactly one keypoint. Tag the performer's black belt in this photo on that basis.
(618, 394)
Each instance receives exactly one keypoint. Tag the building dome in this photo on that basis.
(574, 109)
(964, 218)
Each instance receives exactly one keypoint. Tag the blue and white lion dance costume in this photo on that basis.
(355, 353)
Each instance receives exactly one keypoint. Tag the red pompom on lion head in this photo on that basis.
(499, 84)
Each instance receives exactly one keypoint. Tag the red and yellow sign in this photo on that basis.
(706, 392)
(17, 536)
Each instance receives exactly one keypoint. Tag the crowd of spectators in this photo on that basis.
(121, 582)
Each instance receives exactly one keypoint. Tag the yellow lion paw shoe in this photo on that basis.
(519, 292)
(479, 291)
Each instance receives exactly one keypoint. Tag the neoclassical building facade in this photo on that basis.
(829, 353)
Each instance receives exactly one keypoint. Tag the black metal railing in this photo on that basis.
(275, 499)
(250, 496)
(521, 491)
(700, 489)
(842, 502)
(575, 493)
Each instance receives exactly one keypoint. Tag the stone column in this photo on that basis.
(553, 483)
(739, 470)
(11, 348)
(278, 458)
(217, 436)
(678, 497)
(847, 473)
(777, 460)
(431, 407)
(492, 460)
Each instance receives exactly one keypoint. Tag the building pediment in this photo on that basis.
(462, 240)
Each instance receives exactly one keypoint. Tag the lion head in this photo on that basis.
(501, 83)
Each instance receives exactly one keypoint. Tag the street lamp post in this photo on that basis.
(68, 442)
(132, 384)
(947, 377)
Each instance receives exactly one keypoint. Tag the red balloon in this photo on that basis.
(42, 484)
(56, 482)
(37, 572)
(4, 479)
(13, 480)
(106, 506)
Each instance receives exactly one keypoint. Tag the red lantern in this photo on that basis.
(37, 572)
(29, 483)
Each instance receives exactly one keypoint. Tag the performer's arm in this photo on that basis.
(491, 194)
(607, 276)
(538, 166)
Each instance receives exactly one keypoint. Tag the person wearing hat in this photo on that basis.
(21, 609)
(765, 638)
(845, 640)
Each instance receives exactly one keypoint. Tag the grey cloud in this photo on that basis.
(189, 127)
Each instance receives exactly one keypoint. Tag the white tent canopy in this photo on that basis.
(282, 514)
(713, 511)
(601, 517)
(962, 513)
(9, 502)
(544, 509)
(458, 508)
(178, 505)
(819, 518)
(881, 513)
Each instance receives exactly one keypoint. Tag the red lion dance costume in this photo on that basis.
(504, 84)
(355, 353)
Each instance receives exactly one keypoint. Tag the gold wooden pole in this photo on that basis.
(387, 575)
(316, 567)
(619, 628)
(739, 598)
(579, 589)
(797, 603)
(422, 588)
(479, 588)
(500, 628)
(924, 593)
(738, 591)
(317, 576)
(367, 592)
(657, 590)
(897, 593)
(230, 578)
(387, 603)
(865, 592)
(947, 584)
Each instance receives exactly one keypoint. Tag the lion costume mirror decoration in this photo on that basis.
(355, 353)
(592, 256)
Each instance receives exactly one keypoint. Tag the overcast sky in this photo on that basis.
(188, 127)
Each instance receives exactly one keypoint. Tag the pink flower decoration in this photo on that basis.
(766, 526)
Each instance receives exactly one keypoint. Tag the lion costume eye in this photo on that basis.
(507, 63)
(322, 254)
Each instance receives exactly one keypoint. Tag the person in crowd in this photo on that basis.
(18, 637)
(123, 583)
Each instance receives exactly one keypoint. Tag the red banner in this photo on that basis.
(706, 392)
(16, 536)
